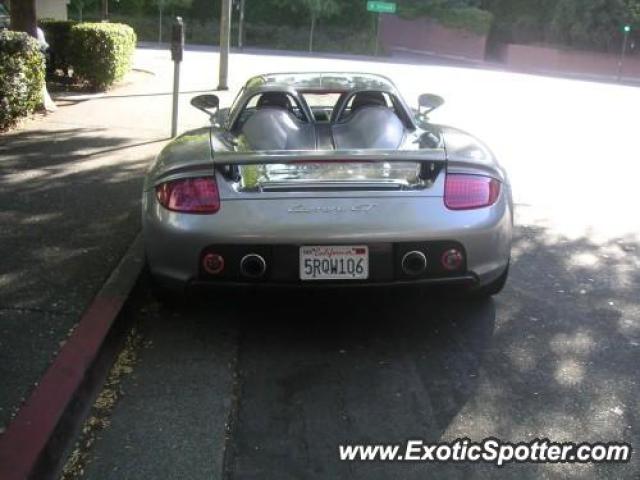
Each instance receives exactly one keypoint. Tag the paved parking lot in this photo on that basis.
(267, 385)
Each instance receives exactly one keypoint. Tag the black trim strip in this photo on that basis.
(468, 280)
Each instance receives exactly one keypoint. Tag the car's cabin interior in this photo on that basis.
(325, 106)
(277, 120)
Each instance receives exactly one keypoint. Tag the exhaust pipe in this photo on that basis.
(414, 263)
(253, 266)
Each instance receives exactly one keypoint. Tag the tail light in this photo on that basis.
(466, 192)
(190, 195)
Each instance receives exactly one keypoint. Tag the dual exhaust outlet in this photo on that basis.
(414, 263)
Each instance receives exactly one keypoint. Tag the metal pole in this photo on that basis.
(241, 24)
(176, 96)
(160, 22)
(177, 52)
(225, 30)
(624, 51)
(377, 32)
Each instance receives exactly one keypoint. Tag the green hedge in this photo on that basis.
(450, 14)
(58, 34)
(101, 53)
(21, 76)
(470, 18)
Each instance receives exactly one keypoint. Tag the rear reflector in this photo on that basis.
(466, 192)
(452, 259)
(213, 263)
(190, 195)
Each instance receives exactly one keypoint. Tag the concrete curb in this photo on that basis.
(35, 440)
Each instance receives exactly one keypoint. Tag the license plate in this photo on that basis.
(346, 262)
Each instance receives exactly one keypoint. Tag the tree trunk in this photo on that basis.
(159, 22)
(241, 25)
(80, 13)
(23, 16)
(311, 31)
(23, 19)
(104, 10)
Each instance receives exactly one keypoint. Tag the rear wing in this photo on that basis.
(431, 161)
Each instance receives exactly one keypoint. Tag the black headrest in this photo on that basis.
(368, 99)
(274, 99)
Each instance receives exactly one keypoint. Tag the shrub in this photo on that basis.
(462, 14)
(21, 76)
(101, 53)
(58, 33)
(469, 18)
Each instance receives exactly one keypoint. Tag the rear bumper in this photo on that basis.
(465, 282)
(175, 242)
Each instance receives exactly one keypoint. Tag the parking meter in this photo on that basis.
(177, 40)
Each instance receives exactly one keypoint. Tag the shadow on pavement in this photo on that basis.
(319, 370)
(558, 360)
(276, 381)
(70, 208)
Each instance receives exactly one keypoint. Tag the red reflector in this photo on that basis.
(213, 263)
(190, 195)
(451, 259)
(465, 192)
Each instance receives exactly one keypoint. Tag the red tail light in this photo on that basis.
(190, 195)
(466, 192)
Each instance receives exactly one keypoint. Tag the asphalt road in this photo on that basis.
(259, 386)
(267, 385)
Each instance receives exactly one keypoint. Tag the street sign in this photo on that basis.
(381, 7)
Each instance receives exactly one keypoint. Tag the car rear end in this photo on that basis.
(339, 219)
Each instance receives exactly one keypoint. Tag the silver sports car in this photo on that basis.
(326, 179)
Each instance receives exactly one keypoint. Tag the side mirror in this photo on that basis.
(209, 104)
(427, 103)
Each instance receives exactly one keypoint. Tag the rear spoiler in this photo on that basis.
(431, 161)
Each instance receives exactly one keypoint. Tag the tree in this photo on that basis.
(316, 9)
(164, 4)
(319, 9)
(80, 5)
(591, 24)
(581, 23)
(23, 17)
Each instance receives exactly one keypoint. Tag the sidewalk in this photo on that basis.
(70, 186)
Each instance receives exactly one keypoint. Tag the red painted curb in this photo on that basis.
(27, 437)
